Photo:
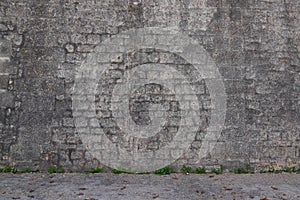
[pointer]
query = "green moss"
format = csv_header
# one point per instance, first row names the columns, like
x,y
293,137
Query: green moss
x,y
165,171
53,169
290,170
239,171
122,171
287,170
217,171
248,167
200,170
7,169
244,170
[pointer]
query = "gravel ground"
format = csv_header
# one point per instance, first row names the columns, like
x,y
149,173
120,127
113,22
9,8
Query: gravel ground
x,y
128,186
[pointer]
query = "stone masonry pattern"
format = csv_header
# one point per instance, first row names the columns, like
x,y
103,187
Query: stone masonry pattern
x,y
255,45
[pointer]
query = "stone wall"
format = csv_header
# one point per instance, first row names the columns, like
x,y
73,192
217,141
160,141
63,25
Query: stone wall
x,y
254,44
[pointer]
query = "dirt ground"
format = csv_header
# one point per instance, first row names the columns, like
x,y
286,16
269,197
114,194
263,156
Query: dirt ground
x,y
129,186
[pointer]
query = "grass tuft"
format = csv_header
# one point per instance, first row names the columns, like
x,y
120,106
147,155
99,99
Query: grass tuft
x,y
122,171
165,171
53,169
187,169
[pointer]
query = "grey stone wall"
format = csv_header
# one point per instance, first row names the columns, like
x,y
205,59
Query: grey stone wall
x,y
254,44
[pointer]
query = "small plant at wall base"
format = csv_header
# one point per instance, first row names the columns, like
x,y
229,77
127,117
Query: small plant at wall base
x,y
8,169
239,171
58,169
118,171
165,171
187,169
245,170
291,170
200,170
287,170
51,169
122,171
217,171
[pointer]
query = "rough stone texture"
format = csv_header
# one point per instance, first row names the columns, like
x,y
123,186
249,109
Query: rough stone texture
x,y
255,45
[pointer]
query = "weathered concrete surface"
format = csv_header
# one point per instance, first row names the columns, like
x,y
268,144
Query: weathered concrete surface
x,y
124,186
